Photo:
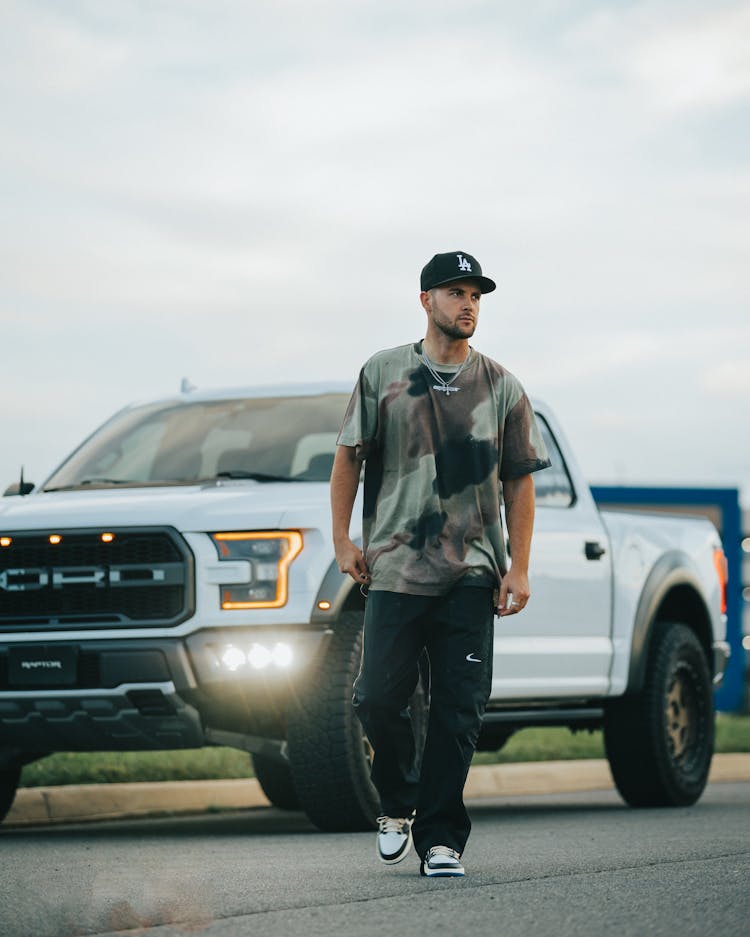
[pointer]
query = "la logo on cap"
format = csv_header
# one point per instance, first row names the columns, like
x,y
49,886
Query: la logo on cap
x,y
463,263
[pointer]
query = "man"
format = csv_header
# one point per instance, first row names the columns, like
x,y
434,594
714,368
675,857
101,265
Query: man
x,y
445,434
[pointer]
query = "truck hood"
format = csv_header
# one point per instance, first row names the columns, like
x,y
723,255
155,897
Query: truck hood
x,y
228,505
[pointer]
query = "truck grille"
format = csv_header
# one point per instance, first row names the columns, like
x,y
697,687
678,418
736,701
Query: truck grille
x,y
136,577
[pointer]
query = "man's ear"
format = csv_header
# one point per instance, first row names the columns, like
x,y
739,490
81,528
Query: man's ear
x,y
425,297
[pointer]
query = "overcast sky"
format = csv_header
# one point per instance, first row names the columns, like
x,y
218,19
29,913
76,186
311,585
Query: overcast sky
x,y
245,192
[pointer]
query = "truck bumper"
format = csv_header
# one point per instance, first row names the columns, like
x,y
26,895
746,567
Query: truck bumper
x,y
155,694
136,716
721,651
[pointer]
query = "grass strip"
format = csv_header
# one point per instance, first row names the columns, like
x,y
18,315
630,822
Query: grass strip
x,y
541,744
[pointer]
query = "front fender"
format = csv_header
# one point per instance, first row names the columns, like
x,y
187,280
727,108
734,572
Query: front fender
x,y
335,589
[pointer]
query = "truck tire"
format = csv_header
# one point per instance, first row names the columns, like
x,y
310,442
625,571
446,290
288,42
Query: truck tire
x,y
9,778
493,738
275,778
659,743
328,751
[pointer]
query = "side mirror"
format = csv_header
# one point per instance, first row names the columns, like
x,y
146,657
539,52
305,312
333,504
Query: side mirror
x,y
18,488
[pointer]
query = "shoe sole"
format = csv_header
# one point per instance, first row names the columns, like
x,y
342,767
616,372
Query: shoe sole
x,y
400,857
443,873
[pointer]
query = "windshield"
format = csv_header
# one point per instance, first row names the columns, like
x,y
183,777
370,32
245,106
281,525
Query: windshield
x,y
265,438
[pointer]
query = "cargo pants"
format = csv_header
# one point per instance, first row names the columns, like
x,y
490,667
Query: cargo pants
x,y
456,630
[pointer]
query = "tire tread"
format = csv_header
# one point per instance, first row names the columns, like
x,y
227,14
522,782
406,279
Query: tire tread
x,y
330,774
643,769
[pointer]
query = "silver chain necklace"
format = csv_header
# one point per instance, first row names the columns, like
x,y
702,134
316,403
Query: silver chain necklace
x,y
444,386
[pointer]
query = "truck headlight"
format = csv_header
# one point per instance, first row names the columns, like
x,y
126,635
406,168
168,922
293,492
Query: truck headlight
x,y
270,554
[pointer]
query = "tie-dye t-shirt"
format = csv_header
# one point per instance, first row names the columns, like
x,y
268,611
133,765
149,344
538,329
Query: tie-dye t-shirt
x,y
434,467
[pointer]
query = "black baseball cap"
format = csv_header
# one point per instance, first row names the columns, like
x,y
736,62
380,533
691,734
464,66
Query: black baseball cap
x,y
455,265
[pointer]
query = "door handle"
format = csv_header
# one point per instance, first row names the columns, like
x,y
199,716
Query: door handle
x,y
594,550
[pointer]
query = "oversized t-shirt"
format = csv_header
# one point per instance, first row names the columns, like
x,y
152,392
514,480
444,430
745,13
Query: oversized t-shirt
x,y
434,467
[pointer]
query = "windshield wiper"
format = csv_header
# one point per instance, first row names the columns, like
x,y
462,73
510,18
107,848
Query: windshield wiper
x,y
107,481
136,483
254,476
94,481
234,474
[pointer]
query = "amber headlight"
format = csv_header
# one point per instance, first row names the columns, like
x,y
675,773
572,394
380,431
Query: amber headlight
x,y
270,554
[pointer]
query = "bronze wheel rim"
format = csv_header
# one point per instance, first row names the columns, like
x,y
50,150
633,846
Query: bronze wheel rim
x,y
680,715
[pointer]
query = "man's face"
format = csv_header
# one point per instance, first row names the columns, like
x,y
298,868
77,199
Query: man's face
x,y
454,307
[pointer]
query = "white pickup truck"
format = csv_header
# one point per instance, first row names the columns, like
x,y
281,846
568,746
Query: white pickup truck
x,y
173,585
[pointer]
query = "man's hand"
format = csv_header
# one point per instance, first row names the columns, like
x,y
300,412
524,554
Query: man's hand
x,y
344,482
519,513
514,593
352,561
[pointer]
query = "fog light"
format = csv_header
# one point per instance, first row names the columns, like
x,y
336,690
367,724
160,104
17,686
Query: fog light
x,y
233,658
259,656
282,655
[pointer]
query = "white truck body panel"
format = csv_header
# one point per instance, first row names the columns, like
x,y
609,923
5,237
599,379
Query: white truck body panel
x,y
639,541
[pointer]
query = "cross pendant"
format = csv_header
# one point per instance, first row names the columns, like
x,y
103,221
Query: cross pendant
x,y
447,389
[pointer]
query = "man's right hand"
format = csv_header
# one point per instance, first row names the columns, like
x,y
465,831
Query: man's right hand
x,y
351,560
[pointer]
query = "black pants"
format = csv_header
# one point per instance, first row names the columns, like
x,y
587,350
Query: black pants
x,y
456,630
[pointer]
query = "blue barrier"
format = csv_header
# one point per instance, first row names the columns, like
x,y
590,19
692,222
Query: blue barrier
x,y
730,696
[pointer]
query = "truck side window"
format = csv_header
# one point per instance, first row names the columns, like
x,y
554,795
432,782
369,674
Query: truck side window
x,y
552,485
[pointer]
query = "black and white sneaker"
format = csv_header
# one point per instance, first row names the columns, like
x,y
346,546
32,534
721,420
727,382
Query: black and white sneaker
x,y
394,838
441,861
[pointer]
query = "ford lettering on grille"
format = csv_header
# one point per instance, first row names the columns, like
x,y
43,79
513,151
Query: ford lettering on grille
x,y
26,580
136,577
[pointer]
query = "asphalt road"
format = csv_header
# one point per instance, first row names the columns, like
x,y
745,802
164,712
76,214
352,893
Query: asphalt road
x,y
557,865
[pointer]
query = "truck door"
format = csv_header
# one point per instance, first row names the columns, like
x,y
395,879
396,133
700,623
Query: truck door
x,y
561,643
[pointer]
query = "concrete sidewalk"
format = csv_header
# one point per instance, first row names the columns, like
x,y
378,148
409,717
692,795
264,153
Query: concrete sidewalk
x,y
38,806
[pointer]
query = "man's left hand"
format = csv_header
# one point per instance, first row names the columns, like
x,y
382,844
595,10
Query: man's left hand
x,y
514,593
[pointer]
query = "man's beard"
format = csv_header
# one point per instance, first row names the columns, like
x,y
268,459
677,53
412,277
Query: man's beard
x,y
454,331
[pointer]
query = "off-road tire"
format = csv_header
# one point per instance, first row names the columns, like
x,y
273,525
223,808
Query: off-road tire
x,y
275,778
328,751
9,778
660,742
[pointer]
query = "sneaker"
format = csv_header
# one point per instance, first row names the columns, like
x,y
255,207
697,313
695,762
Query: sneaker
x,y
441,861
394,838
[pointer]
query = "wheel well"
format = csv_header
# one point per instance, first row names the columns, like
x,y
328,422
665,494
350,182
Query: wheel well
x,y
682,603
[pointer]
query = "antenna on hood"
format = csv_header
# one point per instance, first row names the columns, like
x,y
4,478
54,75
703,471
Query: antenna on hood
x,y
24,487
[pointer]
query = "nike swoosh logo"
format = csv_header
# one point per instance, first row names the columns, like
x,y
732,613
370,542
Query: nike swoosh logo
x,y
474,660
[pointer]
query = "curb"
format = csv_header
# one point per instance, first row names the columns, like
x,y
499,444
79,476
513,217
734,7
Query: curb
x,y
41,806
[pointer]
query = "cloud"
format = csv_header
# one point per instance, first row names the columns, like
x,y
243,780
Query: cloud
x,y
704,63
50,53
728,379
246,193
687,56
